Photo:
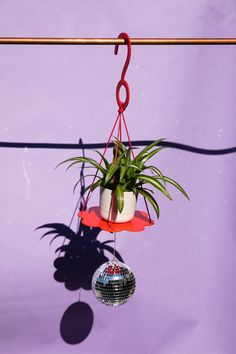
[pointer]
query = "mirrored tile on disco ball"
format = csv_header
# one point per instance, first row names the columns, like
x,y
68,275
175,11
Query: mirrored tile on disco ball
x,y
113,283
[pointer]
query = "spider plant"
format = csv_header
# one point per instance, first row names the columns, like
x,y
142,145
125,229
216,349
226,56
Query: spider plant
x,y
127,174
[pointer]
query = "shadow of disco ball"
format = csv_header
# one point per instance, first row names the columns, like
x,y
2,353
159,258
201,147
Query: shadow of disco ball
x,y
113,283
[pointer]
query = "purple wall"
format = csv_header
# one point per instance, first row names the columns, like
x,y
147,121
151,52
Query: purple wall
x,y
184,265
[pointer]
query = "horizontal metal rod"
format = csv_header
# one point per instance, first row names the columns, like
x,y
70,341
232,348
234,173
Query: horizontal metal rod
x,y
113,41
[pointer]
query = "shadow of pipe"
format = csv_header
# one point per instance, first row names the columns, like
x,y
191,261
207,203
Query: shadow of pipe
x,y
81,146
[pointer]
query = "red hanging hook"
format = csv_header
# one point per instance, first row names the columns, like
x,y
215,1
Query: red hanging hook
x,y
122,105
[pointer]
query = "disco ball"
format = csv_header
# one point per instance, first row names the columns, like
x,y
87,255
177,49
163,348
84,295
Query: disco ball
x,y
113,283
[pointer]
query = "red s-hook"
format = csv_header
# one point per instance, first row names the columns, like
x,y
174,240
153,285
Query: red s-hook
x,y
122,105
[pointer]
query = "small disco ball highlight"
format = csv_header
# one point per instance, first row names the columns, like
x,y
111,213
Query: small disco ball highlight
x,y
113,283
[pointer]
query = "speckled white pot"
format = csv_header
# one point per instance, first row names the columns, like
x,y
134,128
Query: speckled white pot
x,y
114,215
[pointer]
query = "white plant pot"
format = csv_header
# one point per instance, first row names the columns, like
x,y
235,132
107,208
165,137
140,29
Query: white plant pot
x,y
113,214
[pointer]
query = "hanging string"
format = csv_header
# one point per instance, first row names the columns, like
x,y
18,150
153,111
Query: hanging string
x,y
120,128
104,152
114,248
79,295
130,144
128,136
122,105
118,138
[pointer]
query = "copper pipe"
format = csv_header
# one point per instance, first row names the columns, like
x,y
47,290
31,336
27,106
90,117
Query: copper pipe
x,y
113,41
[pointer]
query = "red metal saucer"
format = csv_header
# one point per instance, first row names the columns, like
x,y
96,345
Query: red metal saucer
x,y
92,218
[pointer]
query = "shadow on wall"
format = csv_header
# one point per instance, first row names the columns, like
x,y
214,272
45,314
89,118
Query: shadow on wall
x,y
82,255
78,257
75,265
76,323
174,145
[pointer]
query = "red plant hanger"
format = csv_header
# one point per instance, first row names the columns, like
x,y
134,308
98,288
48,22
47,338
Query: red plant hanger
x,y
123,82
91,217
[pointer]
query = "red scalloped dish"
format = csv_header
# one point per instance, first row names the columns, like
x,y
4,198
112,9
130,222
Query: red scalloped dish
x,y
92,218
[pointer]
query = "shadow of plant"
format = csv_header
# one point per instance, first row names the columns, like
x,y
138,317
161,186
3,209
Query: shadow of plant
x,y
79,255
82,255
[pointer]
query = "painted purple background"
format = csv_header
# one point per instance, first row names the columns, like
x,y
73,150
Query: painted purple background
x,y
185,301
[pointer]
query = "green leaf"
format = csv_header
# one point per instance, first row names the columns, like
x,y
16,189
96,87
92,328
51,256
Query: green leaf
x,y
120,158
102,158
93,163
134,189
94,185
128,157
154,182
157,171
148,190
136,167
122,172
150,154
75,186
121,146
68,160
85,159
110,173
73,163
146,149
150,198
120,198
177,185
132,171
